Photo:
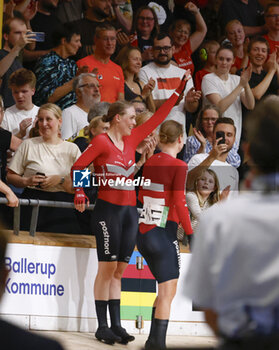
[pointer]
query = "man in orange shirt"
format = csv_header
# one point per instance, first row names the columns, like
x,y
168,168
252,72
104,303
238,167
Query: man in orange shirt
x,y
108,73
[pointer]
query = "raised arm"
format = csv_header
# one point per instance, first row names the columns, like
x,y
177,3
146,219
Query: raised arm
x,y
197,37
142,131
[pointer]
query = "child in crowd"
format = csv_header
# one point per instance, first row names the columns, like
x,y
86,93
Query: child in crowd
x,y
207,54
206,193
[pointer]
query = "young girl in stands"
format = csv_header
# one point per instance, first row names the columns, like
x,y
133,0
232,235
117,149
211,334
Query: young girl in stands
x,y
206,193
207,55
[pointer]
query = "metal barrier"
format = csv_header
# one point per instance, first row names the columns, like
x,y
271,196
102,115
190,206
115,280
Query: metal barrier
x,y
36,204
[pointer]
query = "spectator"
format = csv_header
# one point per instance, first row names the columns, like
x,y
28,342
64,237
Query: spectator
x,y
74,118
96,14
55,71
45,21
205,194
15,38
13,337
95,127
122,13
81,140
271,16
235,34
145,28
248,12
202,140
216,158
129,59
227,91
7,141
108,73
185,42
265,74
167,78
19,118
163,9
207,55
41,166
70,10
240,300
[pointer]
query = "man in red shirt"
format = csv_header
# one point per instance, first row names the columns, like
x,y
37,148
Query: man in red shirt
x,y
272,22
108,73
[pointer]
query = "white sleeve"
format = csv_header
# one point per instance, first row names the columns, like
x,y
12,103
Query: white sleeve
x,y
193,204
18,161
209,85
189,86
67,128
143,76
194,162
4,123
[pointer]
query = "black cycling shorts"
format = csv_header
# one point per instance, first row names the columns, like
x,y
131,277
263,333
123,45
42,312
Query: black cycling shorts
x,y
115,228
160,249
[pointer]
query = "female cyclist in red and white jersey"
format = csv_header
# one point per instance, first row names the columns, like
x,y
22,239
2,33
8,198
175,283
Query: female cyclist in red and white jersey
x,y
164,206
115,218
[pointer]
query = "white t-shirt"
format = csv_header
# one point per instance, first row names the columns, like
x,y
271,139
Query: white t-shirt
x,y
212,84
235,260
226,174
34,155
14,116
73,120
166,82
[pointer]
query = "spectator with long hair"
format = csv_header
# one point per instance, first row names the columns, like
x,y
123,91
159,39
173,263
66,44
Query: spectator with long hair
x,y
145,28
130,60
228,91
206,193
41,165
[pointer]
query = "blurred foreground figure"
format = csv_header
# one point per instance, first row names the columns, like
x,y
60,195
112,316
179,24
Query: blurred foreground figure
x,y
233,274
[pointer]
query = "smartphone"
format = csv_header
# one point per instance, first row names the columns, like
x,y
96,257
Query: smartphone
x,y
39,36
220,134
42,174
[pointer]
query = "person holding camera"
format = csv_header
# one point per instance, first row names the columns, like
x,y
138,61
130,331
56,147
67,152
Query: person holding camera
x,y
223,140
202,140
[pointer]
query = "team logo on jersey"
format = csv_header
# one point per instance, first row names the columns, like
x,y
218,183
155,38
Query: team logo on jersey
x,y
82,178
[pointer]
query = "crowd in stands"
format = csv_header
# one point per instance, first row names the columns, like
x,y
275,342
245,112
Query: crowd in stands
x,y
57,85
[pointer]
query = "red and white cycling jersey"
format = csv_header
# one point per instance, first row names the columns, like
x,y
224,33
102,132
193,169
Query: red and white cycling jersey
x,y
166,191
